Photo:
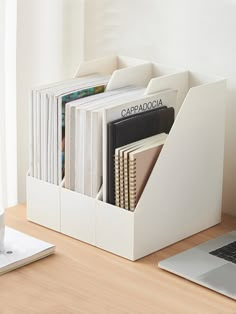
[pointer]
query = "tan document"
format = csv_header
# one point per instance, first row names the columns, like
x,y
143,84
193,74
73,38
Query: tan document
x,y
141,163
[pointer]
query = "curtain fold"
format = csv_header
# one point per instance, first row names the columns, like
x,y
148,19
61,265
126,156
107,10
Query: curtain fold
x,y
8,194
49,49
2,106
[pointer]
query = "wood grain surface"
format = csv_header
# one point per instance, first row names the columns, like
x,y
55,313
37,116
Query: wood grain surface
x,y
80,278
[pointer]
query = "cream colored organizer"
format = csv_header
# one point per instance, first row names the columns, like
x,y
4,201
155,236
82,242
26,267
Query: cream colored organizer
x,y
183,193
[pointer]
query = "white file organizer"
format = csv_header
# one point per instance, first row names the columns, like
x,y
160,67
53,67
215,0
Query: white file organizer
x,y
183,193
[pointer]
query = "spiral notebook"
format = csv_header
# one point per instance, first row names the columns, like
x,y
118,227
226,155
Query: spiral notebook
x,y
141,163
122,171
21,249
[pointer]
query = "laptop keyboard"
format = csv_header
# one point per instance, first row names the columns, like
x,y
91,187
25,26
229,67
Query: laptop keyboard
x,y
227,252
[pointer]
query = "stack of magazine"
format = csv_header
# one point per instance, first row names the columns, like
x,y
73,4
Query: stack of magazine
x,y
100,143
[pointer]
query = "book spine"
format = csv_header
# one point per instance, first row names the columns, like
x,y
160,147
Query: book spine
x,y
117,180
126,183
31,138
122,201
111,144
132,184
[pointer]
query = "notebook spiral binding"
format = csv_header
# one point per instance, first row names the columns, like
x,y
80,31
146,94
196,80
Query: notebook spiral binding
x,y
121,178
117,181
132,184
126,183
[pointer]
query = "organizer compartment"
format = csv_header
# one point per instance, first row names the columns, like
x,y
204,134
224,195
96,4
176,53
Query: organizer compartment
x,y
186,182
114,229
78,215
43,203
183,193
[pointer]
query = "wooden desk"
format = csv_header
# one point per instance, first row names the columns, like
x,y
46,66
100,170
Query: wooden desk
x,y
80,278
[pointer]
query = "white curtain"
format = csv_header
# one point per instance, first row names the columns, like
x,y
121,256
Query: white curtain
x,y
8,161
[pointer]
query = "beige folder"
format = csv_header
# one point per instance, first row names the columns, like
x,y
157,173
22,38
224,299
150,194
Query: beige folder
x,y
122,168
141,163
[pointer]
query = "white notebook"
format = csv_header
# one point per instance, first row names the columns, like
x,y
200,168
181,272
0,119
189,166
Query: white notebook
x,y
21,249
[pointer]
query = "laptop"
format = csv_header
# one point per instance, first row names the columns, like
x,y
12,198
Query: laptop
x,y
211,264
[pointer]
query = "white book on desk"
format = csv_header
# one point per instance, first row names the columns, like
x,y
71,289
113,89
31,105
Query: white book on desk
x,y
21,249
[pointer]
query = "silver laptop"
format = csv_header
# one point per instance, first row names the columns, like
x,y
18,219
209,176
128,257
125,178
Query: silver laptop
x,y
211,264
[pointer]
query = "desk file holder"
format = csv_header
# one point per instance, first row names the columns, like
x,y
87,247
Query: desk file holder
x,y
183,194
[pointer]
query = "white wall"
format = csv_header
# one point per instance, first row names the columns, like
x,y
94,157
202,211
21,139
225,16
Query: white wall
x,y
198,35
8,158
49,48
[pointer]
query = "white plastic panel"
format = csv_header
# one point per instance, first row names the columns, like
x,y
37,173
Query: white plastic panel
x,y
114,229
43,204
177,81
183,194
105,65
78,216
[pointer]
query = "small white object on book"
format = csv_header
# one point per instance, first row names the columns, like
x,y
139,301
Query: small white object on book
x,y
20,249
